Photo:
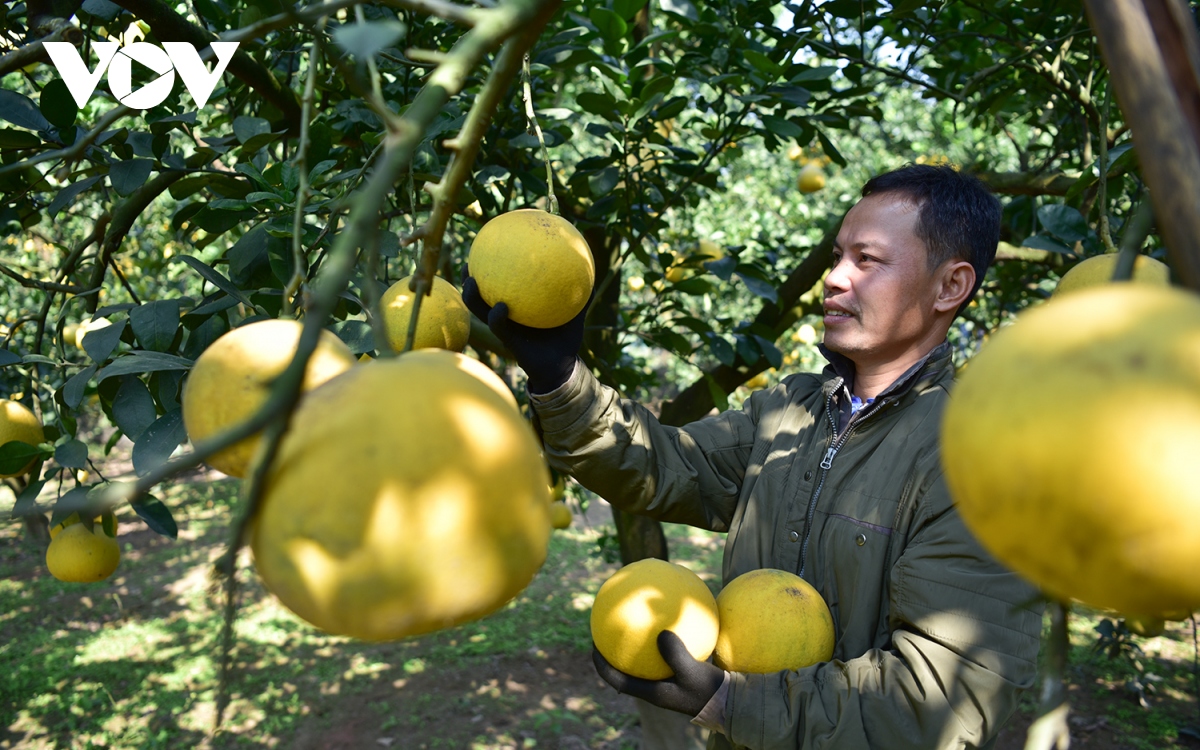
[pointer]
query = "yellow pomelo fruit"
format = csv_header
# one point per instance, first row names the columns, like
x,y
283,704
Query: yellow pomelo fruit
x,y
794,152
70,520
80,555
19,423
675,274
758,381
1146,626
711,251
636,283
443,323
772,620
811,178
536,263
559,489
560,515
1070,447
231,380
69,334
87,327
640,601
408,496
1098,269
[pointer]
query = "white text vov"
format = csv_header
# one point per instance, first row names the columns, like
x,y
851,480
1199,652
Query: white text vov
x,y
172,57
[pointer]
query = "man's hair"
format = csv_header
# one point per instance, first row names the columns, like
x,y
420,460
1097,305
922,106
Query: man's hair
x,y
958,219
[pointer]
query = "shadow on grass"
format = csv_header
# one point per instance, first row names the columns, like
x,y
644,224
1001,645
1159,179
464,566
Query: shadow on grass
x,y
132,662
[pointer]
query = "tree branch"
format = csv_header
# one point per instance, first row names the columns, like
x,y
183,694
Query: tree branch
x,y
35,52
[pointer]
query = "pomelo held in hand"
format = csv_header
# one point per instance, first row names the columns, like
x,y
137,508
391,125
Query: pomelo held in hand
x,y
231,380
1070,446
536,263
772,620
409,495
640,601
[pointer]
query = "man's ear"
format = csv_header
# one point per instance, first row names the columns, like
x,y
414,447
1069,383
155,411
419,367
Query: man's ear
x,y
955,282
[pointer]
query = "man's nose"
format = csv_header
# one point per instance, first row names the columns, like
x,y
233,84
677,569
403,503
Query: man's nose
x,y
837,280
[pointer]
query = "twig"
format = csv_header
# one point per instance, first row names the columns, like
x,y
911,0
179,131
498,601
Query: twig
x,y
299,259
75,150
532,123
29,283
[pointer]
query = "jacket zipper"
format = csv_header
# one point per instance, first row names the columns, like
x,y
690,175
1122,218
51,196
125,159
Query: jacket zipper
x,y
827,462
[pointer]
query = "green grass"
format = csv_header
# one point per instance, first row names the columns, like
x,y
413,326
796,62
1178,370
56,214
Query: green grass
x,y
133,661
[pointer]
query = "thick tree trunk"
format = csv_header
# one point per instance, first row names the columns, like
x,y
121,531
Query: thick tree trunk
x,y
1151,50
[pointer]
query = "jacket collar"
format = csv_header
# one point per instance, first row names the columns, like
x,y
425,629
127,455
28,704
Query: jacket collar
x,y
928,371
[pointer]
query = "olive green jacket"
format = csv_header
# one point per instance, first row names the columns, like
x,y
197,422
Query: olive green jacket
x,y
935,640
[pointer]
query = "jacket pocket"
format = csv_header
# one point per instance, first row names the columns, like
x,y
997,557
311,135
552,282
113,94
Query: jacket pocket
x,y
849,551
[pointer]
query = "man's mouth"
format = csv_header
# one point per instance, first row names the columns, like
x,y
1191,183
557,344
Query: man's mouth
x,y
837,314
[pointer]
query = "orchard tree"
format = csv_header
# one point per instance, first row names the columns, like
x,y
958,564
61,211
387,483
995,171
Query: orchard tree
x,y
348,144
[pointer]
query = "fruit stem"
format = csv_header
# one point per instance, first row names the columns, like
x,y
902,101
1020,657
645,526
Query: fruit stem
x,y
1131,242
1050,730
458,170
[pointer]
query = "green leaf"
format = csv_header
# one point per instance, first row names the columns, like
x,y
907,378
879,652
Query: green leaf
x,y
627,9
39,359
610,25
721,348
599,104
759,287
8,358
246,128
365,40
75,387
1042,242
770,351
102,9
142,361
127,176
782,127
158,442
831,150
57,104
71,454
67,194
99,343
217,221
27,501
719,397
133,407
694,285
11,138
602,182
746,349
1064,222
762,62
21,111
155,323
356,334
216,278
156,515
819,73
16,455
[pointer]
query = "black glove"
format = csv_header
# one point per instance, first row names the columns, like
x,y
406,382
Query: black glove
x,y
687,692
547,355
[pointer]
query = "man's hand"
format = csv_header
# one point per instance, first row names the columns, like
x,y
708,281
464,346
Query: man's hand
x,y
547,355
687,691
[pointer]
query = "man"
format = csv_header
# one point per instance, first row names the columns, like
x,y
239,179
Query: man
x,y
834,477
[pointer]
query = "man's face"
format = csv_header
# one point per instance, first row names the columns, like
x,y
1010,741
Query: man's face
x,y
880,293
